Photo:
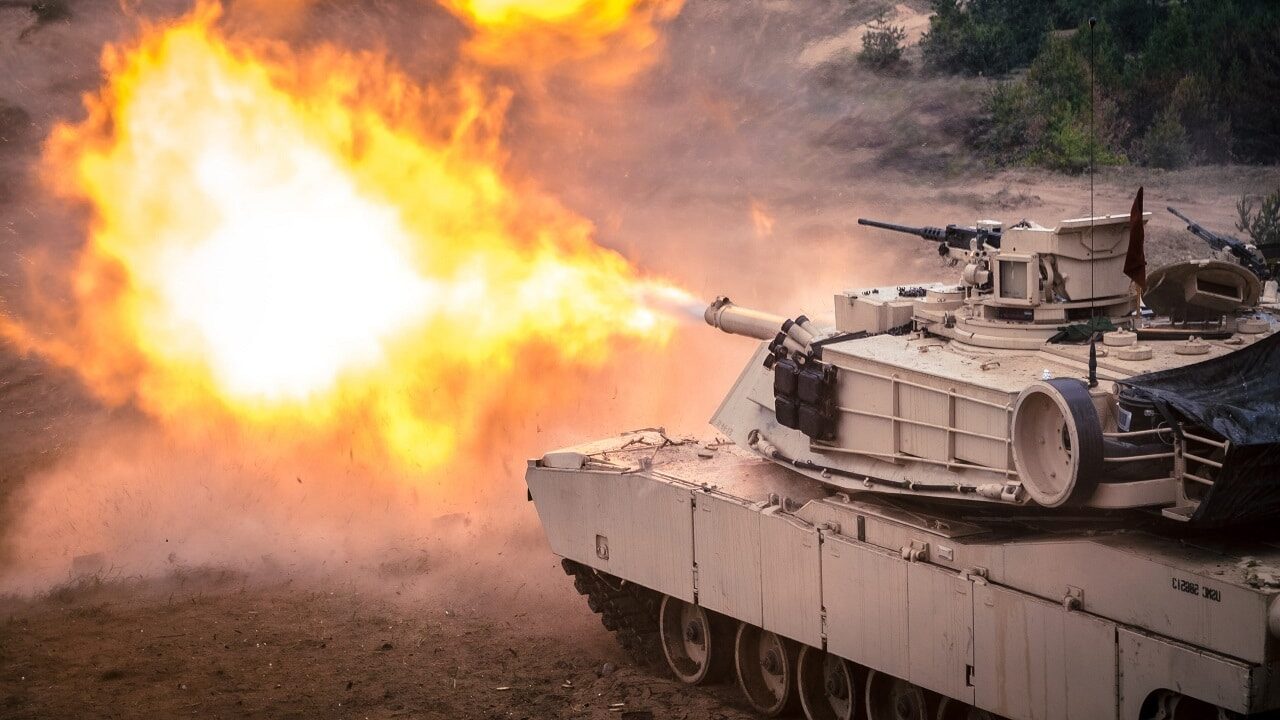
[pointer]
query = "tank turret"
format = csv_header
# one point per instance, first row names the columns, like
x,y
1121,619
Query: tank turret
x,y
1034,380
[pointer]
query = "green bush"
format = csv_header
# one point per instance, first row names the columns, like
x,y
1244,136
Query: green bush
x,y
1003,129
1262,221
1064,146
1044,117
1060,75
984,37
882,45
1165,143
1177,81
951,43
1208,136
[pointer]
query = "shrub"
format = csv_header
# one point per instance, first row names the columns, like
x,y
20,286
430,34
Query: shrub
x,y
1208,136
882,45
1261,222
951,43
1003,129
1165,144
1044,118
1059,74
985,37
1065,143
1180,81
1064,146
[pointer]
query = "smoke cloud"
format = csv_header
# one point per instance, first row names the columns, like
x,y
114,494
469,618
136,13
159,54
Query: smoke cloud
x,y
133,496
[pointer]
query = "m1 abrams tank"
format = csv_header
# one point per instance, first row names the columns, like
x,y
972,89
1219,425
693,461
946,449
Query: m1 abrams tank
x,y
1021,496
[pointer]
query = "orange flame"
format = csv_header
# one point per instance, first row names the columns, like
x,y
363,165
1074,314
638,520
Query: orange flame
x,y
618,37
311,243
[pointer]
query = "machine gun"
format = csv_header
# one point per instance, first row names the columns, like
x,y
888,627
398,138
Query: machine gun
x,y
1243,252
957,237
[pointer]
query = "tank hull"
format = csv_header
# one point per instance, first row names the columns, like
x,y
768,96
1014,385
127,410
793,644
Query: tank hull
x,y
1027,617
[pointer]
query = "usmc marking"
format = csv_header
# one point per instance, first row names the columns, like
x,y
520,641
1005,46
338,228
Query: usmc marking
x,y
1194,588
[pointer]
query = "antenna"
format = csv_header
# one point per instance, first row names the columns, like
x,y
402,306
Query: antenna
x,y
1093,360
1093,135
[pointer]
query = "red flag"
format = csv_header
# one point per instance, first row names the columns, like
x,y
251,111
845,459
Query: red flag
x,y
1135,261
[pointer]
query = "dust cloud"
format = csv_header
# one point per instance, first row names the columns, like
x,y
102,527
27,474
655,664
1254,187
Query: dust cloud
x,y
108,492
735,160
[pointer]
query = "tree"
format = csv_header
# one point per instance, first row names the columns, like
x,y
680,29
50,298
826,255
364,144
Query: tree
x,y
882,45
986,37
1177,81
1165,144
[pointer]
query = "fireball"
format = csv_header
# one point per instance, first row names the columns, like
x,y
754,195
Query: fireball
x,y
607,41
312,246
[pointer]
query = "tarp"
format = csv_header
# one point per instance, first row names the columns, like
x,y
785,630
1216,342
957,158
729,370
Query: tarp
x,y
1081,332
1237,397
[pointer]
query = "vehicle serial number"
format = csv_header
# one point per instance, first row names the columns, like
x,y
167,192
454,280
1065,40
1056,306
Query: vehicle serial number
x,y
1194,588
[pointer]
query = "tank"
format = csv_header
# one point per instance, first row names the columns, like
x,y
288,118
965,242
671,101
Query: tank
x,y
1046,490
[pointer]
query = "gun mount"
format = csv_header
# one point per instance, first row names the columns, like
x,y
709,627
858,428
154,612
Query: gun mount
x,y
951,237
1020,284
1245,253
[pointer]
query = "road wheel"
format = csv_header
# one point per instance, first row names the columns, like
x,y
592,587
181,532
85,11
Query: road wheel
x,y
697,643
1170,705
766,667
830,687
891,698
949,709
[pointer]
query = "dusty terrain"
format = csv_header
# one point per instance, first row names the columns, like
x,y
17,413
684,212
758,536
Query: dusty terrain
x,y
755,112
216,644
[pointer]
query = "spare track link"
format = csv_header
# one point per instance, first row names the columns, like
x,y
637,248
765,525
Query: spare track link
x,y
626,609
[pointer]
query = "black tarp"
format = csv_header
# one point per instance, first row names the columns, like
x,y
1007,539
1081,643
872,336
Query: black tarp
x,y
1237,397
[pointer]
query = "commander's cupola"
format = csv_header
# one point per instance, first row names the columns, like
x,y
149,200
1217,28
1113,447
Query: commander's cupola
x,y
1018,295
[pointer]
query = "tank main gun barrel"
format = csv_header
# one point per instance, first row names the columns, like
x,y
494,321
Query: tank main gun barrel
x,y
735,320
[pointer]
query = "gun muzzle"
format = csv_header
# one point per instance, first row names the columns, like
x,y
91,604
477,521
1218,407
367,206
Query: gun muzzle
x,y
726,316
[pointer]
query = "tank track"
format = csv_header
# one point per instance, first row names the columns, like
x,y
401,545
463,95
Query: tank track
x,y
625,609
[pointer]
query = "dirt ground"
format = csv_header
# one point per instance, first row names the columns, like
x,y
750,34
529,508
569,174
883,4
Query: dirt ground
x,y
755,107
218,644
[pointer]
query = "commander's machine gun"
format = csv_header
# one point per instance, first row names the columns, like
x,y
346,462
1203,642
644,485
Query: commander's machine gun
x,y
951,237
1246,254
